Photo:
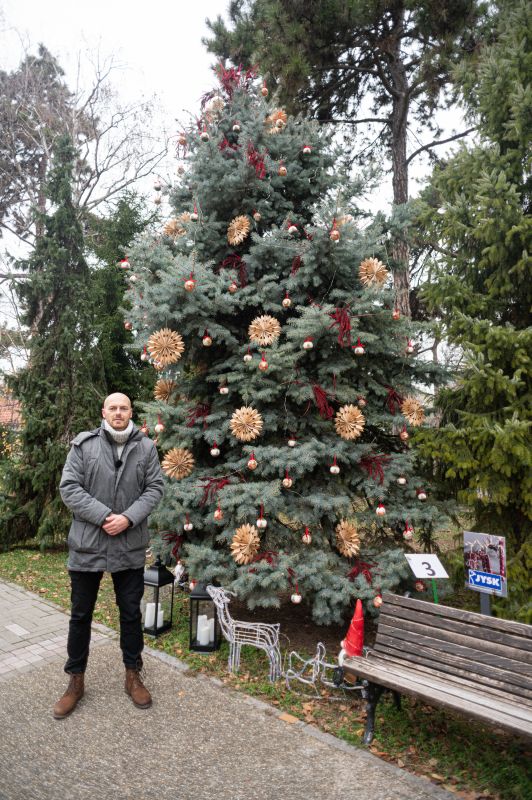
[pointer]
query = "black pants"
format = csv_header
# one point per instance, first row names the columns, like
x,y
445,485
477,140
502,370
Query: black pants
x,y
129,588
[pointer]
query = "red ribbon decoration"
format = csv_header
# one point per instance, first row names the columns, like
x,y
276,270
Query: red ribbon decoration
x,y
256,160
361,568
211,488
341,317
320,396
226,144
296,264
232,78
270,556
374,465
201,411
170,536
234,261
394,400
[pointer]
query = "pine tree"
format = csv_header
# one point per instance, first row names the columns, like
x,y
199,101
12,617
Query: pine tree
x,y
62,387
261,266
477,212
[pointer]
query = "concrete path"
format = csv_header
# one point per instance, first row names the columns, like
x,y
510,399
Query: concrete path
x,y
199,741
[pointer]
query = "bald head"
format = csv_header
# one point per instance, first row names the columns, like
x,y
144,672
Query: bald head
x,y
117,410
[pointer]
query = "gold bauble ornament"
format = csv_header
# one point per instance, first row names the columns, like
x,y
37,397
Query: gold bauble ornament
x,y
163,389
282,171
245,544
413,411
166,346
238,229
372,272
347,538
246,424
178,463
349,422
264,330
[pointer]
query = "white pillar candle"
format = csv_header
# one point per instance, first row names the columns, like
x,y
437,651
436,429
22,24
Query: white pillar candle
x,y
160,616
211,629
150,615
203,634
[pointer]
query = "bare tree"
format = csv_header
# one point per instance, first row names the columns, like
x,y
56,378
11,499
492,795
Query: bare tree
x,y
115,142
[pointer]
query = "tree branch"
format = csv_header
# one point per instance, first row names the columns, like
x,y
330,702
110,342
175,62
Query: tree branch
x,y
437,142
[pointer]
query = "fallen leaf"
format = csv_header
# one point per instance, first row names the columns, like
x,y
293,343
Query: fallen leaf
x,y
436,777
400,762
288,718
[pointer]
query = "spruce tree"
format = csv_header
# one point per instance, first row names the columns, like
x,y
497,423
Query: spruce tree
x,y
477,213
258,278
109,238
62,386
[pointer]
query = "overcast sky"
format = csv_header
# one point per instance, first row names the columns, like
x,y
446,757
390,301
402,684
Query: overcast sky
x,y
159,43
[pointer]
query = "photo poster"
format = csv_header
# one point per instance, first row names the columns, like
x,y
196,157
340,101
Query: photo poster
x,y
485,563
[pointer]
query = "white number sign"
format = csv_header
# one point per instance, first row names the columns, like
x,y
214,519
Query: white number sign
x,y
426,565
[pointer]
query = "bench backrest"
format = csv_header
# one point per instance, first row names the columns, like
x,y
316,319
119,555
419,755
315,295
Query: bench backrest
x,y
485,651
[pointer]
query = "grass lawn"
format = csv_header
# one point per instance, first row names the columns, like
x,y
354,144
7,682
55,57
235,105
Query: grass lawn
x,y
464,757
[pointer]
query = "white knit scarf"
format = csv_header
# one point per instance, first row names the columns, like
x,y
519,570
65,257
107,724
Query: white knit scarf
x,y
120,437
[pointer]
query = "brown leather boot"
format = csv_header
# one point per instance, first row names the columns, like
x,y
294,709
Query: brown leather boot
x,y
136,689
71,697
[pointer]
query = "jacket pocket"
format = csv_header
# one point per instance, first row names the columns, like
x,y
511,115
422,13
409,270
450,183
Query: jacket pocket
x,y
84,537
138,537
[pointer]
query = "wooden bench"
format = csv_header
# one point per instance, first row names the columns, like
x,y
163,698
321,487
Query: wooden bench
x,y
477,665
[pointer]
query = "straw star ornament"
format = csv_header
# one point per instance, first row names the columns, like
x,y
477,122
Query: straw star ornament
x,y
245,544
347,538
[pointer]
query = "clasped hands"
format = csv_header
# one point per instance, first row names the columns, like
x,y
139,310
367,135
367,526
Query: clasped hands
x,y
115,523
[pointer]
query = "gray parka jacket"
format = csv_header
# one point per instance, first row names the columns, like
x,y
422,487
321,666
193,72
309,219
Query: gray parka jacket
x,y
93,487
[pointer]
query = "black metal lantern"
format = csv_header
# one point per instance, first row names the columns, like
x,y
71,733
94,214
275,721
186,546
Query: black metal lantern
x,y
157,605
205,635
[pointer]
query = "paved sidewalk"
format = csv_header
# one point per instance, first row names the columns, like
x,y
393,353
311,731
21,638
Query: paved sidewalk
x,y
199,741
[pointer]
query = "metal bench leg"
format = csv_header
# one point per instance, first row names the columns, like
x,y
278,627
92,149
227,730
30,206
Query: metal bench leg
x,y
372,694
397,700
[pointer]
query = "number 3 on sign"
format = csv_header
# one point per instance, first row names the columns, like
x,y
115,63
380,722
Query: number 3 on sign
x,y
426,565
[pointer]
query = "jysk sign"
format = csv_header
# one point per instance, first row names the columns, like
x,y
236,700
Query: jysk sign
x,y
485,580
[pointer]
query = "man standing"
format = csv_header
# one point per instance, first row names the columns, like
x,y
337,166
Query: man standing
x,y
111,482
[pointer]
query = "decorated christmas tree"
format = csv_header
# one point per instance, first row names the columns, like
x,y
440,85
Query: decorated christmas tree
x,y
288,383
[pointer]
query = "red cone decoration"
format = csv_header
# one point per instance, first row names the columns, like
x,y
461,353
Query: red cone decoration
x,y
354,641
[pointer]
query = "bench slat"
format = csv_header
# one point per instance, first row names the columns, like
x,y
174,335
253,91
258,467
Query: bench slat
x,y
474,704
453,644
490,678
467,646
483,621
396,657
401,614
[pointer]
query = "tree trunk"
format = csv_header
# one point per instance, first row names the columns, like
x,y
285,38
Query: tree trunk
x,y
400,104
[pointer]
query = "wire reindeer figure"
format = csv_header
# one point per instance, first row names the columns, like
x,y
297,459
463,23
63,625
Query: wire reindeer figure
x,y
237,633
315,670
